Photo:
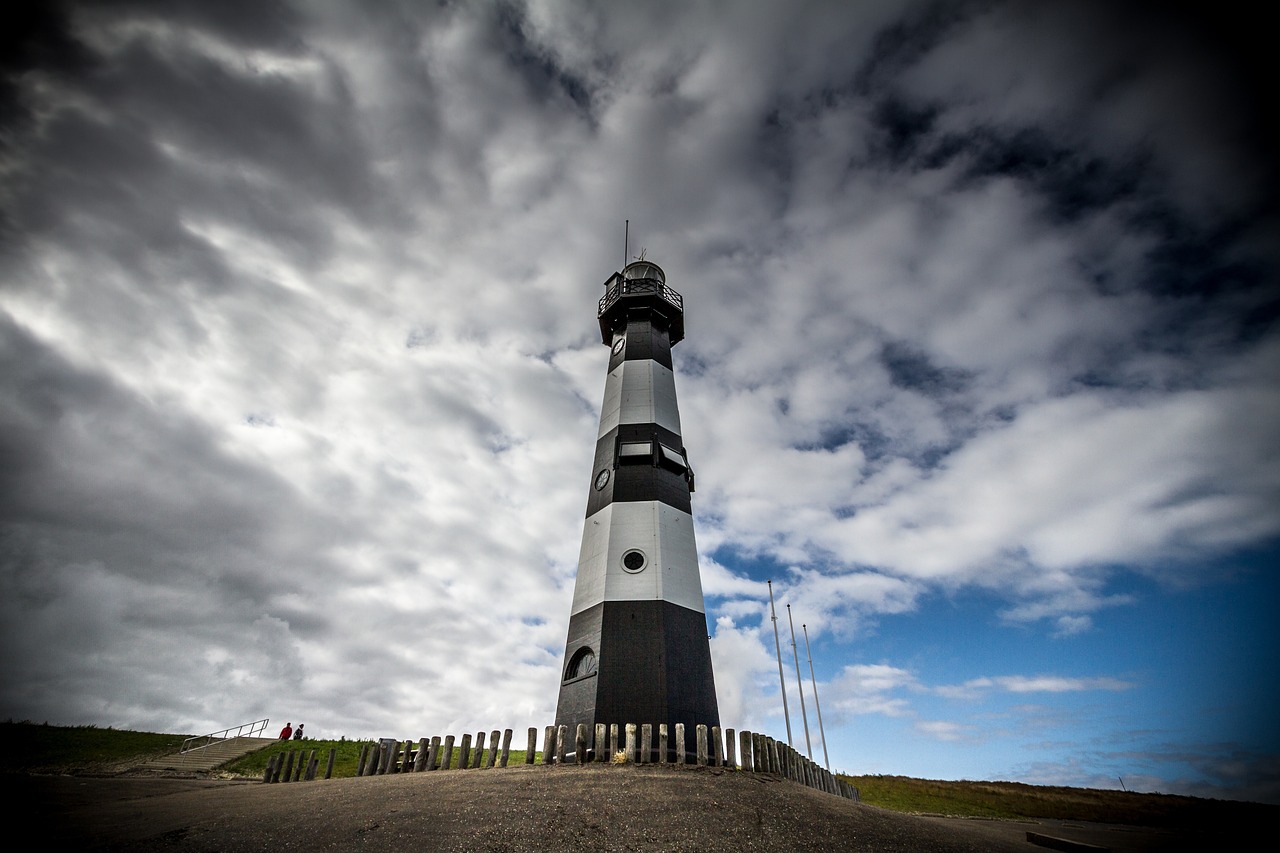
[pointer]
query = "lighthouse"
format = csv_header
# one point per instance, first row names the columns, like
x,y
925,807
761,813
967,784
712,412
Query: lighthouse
x,y
637,649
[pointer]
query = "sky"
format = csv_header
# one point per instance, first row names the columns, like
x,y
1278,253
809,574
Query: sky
x,y
300,373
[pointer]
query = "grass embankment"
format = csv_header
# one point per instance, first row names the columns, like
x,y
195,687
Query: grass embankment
x,y
32,748
1014,800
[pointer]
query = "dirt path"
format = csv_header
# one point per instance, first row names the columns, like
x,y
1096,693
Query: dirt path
x,y
596,808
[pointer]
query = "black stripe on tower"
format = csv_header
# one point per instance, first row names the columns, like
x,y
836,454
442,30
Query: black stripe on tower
x,y
655,477
641,643
644,341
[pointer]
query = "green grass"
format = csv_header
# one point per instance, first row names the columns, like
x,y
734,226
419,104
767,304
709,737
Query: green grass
x,y
1014,800
31,748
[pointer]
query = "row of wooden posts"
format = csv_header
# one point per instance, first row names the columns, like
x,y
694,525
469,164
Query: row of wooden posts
x,y
281,768
759,753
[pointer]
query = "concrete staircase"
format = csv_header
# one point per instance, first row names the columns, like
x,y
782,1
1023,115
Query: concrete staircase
x,y
208,757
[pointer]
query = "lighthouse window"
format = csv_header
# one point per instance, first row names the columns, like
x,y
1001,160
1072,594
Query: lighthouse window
x,y
635,451
634,561
582,664
672,458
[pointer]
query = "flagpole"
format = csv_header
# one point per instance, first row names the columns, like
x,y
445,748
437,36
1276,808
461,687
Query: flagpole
x,y
782,684
799,684
821,731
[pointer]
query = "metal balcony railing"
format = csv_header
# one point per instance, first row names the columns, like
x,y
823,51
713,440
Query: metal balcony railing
x,y
618,287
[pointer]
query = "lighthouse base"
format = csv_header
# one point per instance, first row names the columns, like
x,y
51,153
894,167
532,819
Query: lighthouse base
x,y
653,665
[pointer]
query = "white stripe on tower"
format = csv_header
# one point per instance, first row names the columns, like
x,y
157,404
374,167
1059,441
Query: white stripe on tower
x,y
640,392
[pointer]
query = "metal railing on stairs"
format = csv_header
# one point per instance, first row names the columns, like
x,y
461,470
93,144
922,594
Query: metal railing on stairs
x,y
254,729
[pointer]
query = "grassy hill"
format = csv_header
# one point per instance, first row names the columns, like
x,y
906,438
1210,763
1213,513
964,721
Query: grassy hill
x,y
88,750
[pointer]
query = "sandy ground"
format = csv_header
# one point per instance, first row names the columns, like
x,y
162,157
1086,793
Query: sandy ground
x,y
595,808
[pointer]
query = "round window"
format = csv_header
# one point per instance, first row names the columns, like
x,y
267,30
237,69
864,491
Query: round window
x,y
618,345
634,561
602,479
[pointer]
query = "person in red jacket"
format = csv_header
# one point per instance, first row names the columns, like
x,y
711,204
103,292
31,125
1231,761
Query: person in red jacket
x,y
287,731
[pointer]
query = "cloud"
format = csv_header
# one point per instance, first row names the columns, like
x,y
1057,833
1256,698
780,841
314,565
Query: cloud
x,y
976,687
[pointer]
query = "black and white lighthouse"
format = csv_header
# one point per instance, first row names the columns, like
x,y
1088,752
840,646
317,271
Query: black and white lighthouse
x,y
637,649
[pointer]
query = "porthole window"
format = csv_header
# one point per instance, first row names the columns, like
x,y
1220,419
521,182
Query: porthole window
x,y
582,664
618,345
634,561
602,479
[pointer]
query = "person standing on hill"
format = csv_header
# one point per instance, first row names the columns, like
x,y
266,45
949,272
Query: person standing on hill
x,y
297,735
287,731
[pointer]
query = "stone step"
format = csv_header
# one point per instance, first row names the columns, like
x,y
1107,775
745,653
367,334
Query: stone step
x,y
209,757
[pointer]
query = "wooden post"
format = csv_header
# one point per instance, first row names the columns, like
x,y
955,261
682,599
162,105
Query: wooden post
x,y
447,749
757,743
744,742
580,744
271,766
406,762
730,759
313,764
549,745
478,755
701,735
328,770
646,742
506,747
531,750
662,743
288,767
390,750
680,744
613,740
433,752
297,771
562,743
493,749
717,748
602,748
464,756
631,743
420,760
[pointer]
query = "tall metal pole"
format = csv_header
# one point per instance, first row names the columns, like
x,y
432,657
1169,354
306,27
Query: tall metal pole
x,y
821,731
799,684
782,684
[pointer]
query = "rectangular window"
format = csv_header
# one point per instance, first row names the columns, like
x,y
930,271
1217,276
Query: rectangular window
x,y
672,458
635,451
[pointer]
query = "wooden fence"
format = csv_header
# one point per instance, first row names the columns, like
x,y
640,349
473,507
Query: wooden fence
x,y
746,751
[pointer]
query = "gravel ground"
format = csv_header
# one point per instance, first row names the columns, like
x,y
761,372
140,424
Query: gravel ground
x,y
594,808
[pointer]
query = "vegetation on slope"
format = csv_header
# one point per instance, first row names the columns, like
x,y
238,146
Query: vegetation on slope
x,y
1015,800
31,748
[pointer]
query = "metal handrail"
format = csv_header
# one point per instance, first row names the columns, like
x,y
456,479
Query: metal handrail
x,y
253,729
619,287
